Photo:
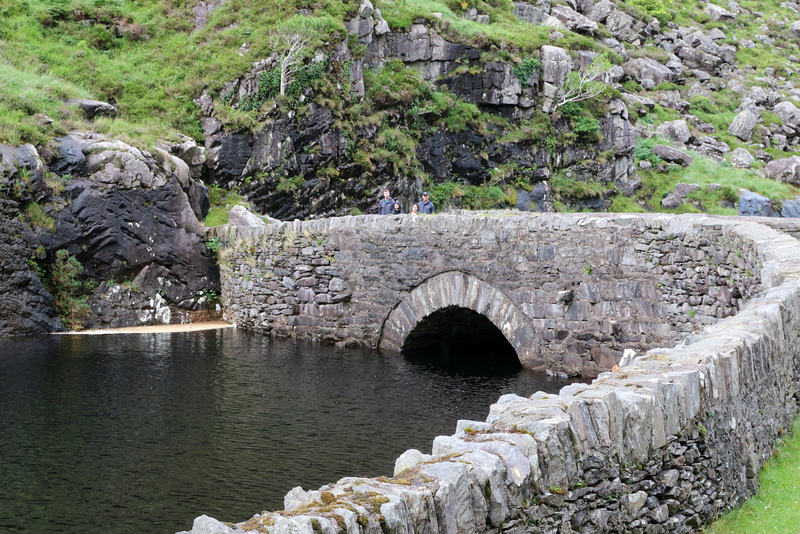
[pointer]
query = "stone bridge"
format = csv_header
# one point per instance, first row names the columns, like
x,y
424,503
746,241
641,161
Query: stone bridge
x,y
566,293
662,443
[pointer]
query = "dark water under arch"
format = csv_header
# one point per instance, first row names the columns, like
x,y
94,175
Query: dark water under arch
x,y
460,339
142,433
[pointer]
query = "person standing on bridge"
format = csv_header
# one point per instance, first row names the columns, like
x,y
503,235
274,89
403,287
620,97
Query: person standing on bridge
x,y
386,205
397,209
425,205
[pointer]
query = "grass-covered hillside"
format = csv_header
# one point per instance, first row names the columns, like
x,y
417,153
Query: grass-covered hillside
x,y
154,59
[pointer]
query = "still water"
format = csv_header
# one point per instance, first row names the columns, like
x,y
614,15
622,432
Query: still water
x,y
144,432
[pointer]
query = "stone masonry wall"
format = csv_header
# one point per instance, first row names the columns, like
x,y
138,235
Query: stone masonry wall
x,y
589,287
665,443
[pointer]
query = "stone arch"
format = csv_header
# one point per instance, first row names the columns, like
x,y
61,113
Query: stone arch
x,y
454,288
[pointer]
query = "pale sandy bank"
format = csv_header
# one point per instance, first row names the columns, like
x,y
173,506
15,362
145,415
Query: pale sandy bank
x,y
162,328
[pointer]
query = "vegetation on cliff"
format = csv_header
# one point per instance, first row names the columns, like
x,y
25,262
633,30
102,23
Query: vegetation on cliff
x,y
154,60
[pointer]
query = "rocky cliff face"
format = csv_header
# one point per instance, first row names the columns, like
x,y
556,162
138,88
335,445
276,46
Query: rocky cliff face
x,y
130,218
313,150
300,163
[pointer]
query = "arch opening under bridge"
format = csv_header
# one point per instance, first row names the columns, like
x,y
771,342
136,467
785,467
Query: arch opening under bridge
x,y
452,312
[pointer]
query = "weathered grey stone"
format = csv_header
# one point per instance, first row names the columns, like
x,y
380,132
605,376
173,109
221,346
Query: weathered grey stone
x,y
677,196
573,20
93,108
556,66
794,28
789,114
622,26
741,158
743,124
641,69
721,14
600,11
677,130
530,13
241,216
784,170
672,155
208,525
409,459
791,208
754,204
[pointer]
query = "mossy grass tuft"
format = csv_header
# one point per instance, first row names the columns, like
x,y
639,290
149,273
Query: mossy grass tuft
x,y
776,507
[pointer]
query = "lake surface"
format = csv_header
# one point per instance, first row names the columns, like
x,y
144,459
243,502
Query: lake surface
x,y
144,432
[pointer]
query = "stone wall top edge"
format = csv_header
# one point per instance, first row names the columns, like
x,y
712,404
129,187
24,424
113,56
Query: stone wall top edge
x,y
443,221
677,224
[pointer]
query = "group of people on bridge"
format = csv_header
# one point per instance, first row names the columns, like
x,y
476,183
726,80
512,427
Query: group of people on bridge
x,y
390,206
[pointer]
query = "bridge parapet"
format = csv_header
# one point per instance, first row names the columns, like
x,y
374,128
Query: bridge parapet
x,y
589,286
665,443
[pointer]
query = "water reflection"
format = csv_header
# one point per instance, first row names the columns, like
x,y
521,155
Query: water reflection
x,y
106,434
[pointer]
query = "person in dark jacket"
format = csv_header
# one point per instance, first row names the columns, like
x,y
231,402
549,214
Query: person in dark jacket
x,y
425,205
397,209
386,205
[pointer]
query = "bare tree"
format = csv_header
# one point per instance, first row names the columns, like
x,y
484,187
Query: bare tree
x,y
289,45
587,83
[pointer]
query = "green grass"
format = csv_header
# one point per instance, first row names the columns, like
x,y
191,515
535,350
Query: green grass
x,y
221,201
704,170
776,507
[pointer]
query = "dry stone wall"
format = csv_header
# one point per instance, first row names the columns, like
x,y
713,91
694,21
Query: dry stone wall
x,y
580,289
664,443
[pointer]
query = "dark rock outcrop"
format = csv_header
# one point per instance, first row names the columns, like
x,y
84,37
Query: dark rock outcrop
x,y
25,305
126,215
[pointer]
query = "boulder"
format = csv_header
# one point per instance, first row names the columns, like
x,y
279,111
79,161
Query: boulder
x,y
716,34
542,197
672,155
641,69
241,216
784,170
695,58
721,14
794,29
624,27
93,108
381,26
742,159
555,24
789,114
677,131
791,208
753,204
711,147
208,525
677,196
573,20
529,13
743,124
21,165
600,11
